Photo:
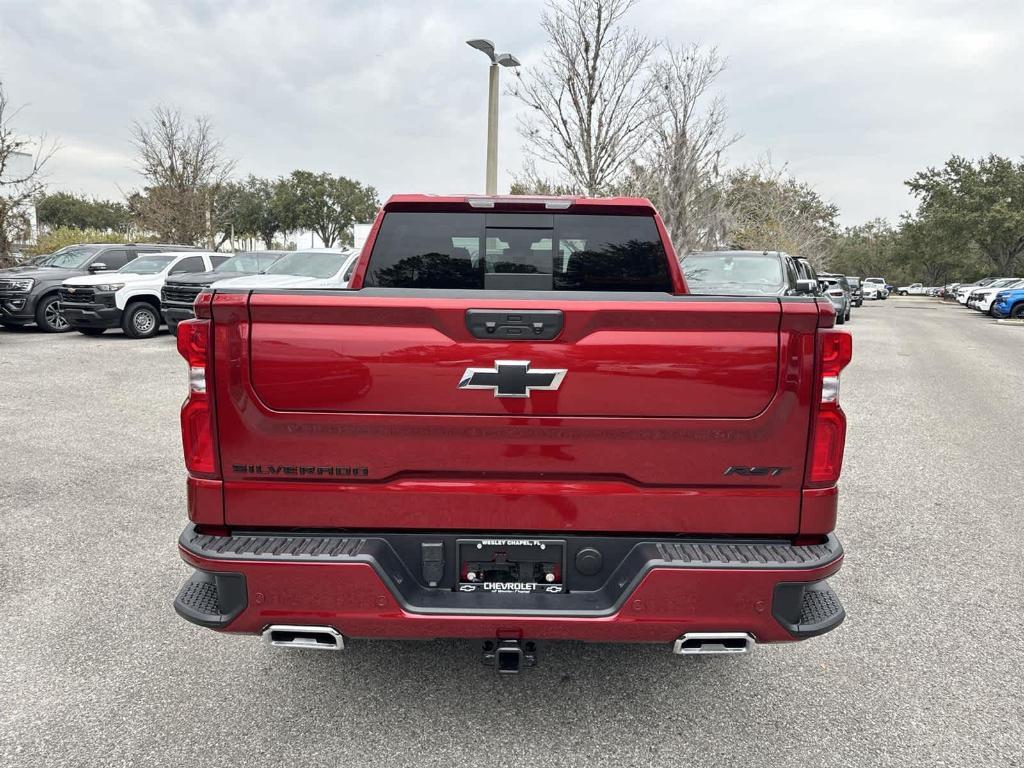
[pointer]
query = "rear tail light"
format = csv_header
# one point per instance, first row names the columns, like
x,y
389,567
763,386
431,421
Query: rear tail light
x,y
828,433
198,432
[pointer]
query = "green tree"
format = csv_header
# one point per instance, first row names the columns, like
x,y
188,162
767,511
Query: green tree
x,y
914,251
326,205
58,237
923,253
866,250
63,209
977,203
770,209
256,208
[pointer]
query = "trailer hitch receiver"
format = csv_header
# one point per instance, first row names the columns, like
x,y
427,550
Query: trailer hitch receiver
x,y
508,657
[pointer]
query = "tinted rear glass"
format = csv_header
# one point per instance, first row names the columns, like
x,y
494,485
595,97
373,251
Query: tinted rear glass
x,y
508,251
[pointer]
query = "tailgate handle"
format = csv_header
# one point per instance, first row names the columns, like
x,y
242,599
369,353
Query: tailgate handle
x,y
511,325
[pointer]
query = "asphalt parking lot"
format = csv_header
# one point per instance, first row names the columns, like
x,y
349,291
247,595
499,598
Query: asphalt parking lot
x,y
928,669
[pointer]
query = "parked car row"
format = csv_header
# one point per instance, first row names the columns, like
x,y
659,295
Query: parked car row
x,y
90,288
282,270
29,294
768,273
997,296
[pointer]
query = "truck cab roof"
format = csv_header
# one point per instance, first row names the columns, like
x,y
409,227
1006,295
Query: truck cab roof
x,y
577,204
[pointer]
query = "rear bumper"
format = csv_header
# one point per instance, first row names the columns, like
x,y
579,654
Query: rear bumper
x,y
370,586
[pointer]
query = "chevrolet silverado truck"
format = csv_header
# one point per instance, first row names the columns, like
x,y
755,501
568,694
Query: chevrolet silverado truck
x,y
516,424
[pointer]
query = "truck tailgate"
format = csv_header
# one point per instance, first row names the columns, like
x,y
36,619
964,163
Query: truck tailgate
x,y
344,410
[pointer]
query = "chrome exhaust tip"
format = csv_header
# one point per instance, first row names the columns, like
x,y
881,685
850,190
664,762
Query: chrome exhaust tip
x,y
304,637
711,643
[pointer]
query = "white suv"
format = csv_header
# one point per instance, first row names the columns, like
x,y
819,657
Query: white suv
x,y
874,288
129,297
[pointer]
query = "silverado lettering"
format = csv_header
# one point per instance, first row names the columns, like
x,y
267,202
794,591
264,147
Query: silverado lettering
x,y
566,444
302,471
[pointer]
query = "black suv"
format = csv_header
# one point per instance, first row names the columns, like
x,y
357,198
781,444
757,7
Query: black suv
x,y
29,295
179,293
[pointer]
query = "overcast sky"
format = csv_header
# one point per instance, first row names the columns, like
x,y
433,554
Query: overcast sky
x,y
855,95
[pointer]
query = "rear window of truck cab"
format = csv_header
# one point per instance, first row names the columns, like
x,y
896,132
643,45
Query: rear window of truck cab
x,y
518,251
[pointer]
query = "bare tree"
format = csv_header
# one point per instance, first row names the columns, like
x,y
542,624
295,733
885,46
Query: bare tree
x,y
770,209
21,177
681,167
591,97
186,168
532,182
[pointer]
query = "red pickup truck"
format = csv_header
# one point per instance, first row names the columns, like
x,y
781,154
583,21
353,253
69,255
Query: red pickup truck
x,y
515,425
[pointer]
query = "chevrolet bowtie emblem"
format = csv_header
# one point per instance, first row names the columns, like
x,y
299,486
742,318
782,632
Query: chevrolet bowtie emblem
x,y
512,378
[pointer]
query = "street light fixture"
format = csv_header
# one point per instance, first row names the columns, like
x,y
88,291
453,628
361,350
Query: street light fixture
x,y
504,60
482,45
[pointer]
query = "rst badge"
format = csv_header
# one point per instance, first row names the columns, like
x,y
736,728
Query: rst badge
x,y
512,378
756,471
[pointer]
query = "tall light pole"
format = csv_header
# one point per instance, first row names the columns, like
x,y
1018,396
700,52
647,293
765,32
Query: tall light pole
x,y
505,60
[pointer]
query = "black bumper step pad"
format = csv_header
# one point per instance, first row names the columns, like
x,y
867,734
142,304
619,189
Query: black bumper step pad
x,y
806,610
211,599
760,553
271,547
255,546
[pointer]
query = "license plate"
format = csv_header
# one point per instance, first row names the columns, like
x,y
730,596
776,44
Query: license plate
x,y
514,566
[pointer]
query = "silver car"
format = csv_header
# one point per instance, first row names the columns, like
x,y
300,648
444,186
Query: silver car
x,y
838,291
